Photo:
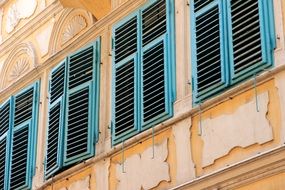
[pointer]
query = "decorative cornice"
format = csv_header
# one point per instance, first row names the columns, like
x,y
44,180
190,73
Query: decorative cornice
x,y
22,33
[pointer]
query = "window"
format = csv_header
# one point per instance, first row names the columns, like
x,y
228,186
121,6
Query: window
x,y
143,69
18,129
232,40
73,109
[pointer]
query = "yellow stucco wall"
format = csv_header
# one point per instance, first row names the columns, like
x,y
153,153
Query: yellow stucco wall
x,y
184,117
276,182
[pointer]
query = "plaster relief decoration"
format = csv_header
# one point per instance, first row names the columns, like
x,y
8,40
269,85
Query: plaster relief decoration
x,y
21,9
20,61
74,27
21,67
142,171
71,23
242,128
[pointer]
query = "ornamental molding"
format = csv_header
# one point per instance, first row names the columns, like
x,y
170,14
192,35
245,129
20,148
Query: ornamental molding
x,y
19,10
74,27
20,61
70,25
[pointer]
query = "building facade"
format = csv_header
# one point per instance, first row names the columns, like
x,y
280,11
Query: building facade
x,y
142,94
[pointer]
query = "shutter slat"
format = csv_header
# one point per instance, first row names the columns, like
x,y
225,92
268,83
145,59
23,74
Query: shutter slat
x,y
154,81
19,158
199,4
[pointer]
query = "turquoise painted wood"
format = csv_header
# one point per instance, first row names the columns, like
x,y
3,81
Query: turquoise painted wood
x,y
93,105
143,45
74,85
30,125
60,101
231,72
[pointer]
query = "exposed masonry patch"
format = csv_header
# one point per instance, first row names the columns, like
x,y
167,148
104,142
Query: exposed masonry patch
x,y
142,171
185,166
102,174
242,128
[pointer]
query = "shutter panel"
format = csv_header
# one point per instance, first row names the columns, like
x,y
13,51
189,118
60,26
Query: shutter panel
x,y
126,39
4,128
79,139
154,82
4,118
23,139
125,99
125,49
154,79
3,163
55,121
24,107
208,55
154,22
247,37
19,164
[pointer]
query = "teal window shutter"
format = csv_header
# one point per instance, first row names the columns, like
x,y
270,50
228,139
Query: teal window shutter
x,y
55,119
125,67
5,112
250,49
23,141
232,39
82,104
73,109
156,64
208,52
142,62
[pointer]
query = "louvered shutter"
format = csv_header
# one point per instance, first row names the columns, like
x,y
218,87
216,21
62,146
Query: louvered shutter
x,y
23,139
141,70
125,79
80,128
55,119
4,131
248,38
155,87
209,70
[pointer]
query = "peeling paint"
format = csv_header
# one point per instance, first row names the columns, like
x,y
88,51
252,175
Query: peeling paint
x,y
220,133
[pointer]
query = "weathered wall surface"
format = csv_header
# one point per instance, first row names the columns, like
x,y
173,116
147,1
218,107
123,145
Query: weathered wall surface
x,y
204,149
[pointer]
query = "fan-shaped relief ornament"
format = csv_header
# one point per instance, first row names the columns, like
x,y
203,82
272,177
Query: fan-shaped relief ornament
x,y
21,67
74,27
